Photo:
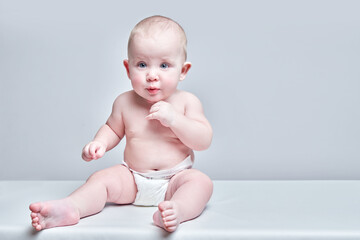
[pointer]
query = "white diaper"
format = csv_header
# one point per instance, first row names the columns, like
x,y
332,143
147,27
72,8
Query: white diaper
x,y
152,186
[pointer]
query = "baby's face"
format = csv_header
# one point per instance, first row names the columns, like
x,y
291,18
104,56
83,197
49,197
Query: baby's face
x,y
155,65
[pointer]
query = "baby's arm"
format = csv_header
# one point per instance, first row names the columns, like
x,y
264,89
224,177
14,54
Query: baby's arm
x,y
108,136
192,128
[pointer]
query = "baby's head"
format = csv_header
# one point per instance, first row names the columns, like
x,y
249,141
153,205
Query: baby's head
x,y
156,58
155,26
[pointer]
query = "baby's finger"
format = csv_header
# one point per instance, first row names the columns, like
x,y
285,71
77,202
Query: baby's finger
x,y
100,152
152,116
154,108
86,148
92,150
158,105
86,151
86,158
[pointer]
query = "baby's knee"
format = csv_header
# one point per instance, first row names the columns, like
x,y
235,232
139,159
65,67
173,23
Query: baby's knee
x,y
99,176
112,175
94,177
206,182
198,177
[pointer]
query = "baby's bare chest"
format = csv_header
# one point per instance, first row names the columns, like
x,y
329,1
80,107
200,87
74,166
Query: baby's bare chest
x,y
147,129
138,127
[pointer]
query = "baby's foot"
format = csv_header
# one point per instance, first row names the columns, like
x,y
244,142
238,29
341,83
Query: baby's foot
x,y
53,214
167,217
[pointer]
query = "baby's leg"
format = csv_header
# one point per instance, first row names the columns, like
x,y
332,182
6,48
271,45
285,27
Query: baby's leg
x,y
115,184
187,195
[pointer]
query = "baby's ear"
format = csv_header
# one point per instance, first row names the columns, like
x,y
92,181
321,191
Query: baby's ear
x,y
184,70
126,64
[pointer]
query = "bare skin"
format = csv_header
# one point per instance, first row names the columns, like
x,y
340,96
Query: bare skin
x,y
54,213
162,126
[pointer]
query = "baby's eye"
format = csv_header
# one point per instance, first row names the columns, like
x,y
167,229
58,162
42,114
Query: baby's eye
x,y
164,65
142,65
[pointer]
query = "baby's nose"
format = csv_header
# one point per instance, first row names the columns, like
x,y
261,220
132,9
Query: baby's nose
x,y
152,76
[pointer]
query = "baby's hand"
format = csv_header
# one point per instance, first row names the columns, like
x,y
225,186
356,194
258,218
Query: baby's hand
x,y
163,112
93,150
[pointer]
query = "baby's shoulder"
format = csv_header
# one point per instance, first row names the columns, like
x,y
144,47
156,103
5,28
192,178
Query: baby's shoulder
x,y
190,102
123,99
185,96
125,96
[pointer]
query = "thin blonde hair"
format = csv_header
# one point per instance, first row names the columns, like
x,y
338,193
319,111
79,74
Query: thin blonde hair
x,y
151,25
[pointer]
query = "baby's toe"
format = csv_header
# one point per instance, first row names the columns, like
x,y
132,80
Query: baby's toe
x,y
165,205
171,223
38,227
171,229
35,220
167,213
169,218
35,207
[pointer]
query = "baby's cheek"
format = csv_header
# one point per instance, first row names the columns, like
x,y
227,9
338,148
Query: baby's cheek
x,y
136,81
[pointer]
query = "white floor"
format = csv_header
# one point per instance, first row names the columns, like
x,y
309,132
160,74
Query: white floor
x,y
238,210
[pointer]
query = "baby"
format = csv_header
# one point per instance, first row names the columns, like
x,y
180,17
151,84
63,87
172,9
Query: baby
x,y
162,126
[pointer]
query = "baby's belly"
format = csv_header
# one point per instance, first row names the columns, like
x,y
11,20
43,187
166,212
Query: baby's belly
x,y
153,155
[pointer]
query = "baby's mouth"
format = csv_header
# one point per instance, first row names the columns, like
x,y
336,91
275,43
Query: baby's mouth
x,y
153,90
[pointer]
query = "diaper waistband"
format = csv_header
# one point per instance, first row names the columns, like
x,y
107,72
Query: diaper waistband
x,y
166,173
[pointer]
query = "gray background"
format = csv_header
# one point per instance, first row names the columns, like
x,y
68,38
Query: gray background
x,y
279,81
